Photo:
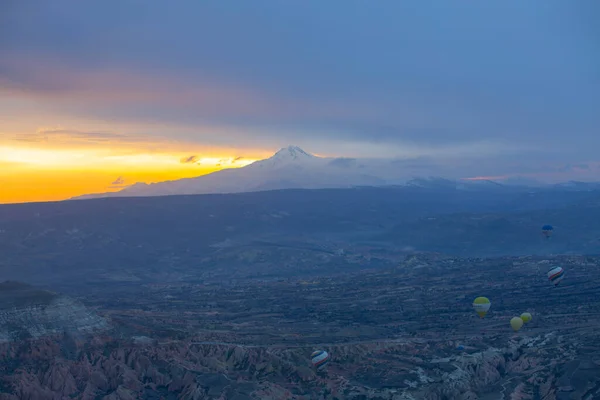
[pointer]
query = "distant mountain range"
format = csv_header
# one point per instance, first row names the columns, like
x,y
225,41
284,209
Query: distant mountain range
x,y
293,168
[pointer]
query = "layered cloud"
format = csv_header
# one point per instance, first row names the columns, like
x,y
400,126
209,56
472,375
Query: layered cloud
x,y
499,88
398,73
58,163
62,137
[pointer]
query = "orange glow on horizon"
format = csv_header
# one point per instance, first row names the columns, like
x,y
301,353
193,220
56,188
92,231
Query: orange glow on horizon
x,y
41,170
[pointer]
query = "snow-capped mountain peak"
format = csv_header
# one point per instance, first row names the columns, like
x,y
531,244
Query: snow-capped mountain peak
x,y
293,168
288,156
291,152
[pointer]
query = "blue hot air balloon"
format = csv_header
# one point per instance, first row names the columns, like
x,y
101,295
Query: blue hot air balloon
x,y
547,230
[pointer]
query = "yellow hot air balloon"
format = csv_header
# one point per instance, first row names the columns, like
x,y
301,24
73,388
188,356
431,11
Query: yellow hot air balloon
x,y
481,306
526,317
516,323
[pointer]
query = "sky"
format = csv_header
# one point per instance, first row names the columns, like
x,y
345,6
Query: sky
x,y
95,96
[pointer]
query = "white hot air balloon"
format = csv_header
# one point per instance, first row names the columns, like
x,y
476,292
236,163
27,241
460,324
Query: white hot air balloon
x,y
319,359
555,275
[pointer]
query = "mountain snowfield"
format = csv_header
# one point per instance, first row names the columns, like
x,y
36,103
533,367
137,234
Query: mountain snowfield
x,y
290,167
293,168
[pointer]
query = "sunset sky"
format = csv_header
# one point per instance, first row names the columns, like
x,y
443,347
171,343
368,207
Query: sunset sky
x,y
95,96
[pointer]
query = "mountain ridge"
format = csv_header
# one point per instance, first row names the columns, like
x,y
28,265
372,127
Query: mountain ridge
x,y
292,167
289,168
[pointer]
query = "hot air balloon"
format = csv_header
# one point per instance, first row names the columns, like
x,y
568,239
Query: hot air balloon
x,y
481,306
547,230
555,275
319,359
516,323
526,317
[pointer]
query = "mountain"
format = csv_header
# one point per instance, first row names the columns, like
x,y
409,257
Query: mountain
x,y
293,168
289,168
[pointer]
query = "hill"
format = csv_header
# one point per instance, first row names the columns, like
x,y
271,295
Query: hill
x,y
29,312
175,238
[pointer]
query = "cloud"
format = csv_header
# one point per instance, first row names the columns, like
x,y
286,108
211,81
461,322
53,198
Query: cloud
x,y
343,162
229,161
10,164
133,95
67,136
189,160
131,142
512,75
487,178
118,183
546,172
419,163
580,167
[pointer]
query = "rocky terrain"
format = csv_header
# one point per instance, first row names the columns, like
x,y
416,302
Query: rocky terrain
x,y
393,334
545,366
27,312
226,296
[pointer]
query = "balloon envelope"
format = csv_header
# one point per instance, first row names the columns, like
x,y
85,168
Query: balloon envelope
x,y
526,317
319,359
516,323
481,305
555,275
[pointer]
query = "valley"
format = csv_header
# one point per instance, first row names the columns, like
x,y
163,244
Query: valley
x,y
310,200
392,332
226,296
